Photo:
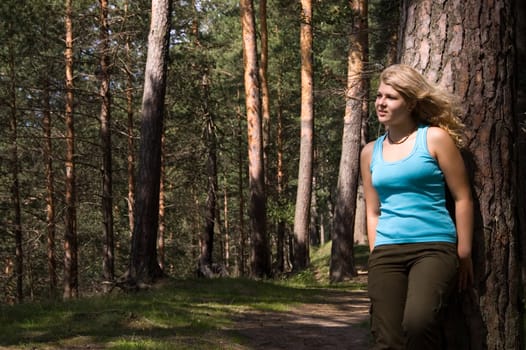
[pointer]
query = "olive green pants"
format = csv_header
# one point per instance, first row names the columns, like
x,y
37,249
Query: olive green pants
x,y
409,286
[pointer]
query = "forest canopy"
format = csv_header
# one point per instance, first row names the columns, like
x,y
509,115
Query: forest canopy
x,y
205,41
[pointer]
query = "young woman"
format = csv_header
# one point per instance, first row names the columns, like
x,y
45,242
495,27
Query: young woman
x,y
419,254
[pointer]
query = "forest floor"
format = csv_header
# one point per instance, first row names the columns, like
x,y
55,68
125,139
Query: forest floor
x,y
339,322
300,312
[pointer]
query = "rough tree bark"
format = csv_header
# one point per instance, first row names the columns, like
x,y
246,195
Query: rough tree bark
x,y
467,46
520,112
144,267
260,259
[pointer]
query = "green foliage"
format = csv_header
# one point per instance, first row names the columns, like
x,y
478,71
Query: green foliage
x,y
32,36
383,22
277,212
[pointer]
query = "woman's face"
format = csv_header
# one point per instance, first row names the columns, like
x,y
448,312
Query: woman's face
x,y
391,107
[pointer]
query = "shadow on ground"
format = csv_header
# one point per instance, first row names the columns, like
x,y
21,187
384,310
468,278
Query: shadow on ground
x,y
339,322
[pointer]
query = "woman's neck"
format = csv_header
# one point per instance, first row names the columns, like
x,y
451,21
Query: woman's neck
x,y
400,133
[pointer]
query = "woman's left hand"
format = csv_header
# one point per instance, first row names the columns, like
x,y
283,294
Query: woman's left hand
x,y
465,273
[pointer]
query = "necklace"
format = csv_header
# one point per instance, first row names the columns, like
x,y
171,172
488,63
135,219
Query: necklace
x,y
402,140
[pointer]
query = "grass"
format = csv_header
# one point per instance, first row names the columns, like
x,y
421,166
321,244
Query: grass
x,y
317,275
181,314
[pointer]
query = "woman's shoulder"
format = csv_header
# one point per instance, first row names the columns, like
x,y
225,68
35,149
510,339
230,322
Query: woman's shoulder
x,y
437,132
367,151
368,148
438,139
438,136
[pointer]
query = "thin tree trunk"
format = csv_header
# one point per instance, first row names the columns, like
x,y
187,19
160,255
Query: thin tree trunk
x,y
360,221
260,259
322,229
70,233
303,197
263,74
130,133
144,267
280,246
463,46
226,225
131,155
50,190
108,269
196,223
314,234
207,236
15,183
342,257
240,175
220,236
360,225
162,227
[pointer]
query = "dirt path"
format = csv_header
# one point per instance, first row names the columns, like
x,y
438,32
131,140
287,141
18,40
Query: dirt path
x,y
340,322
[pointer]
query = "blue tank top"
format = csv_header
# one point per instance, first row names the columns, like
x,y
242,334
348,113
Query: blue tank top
x,y
412,196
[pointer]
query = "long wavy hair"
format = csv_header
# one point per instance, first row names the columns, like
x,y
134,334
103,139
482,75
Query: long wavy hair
x,y
433,106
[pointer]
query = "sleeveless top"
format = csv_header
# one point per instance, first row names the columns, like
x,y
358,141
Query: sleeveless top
x,y
412,196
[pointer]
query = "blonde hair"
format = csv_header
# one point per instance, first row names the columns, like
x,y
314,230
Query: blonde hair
x,y
433,106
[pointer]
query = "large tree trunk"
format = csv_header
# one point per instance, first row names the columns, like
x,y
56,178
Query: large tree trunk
x,y
260,259
303,196
144,267
108,269
467,46
520,112
342,257
70,234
